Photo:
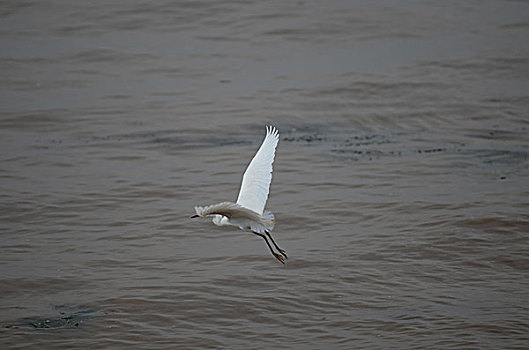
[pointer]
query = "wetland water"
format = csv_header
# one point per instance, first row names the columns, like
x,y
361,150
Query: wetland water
x,y
400,186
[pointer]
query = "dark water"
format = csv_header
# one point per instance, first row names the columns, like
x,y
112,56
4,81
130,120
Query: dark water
x,y
400,186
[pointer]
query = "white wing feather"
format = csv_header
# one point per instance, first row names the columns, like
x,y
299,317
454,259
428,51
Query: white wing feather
x,y
258,176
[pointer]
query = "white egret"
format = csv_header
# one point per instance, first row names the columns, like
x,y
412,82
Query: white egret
x,y
248,213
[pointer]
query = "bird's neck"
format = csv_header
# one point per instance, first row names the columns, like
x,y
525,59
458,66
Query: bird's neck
x,y
220,220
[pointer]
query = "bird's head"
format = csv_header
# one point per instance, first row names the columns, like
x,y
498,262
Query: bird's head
x,y
199,211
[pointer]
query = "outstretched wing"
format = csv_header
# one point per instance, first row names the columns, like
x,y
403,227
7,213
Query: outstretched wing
x,y
230,210
258,176
239,216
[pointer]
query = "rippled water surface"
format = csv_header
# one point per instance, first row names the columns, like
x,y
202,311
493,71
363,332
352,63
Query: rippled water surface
x,y
400,185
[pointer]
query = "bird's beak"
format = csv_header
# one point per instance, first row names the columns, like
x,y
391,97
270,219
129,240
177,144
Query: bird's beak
x,y
194,216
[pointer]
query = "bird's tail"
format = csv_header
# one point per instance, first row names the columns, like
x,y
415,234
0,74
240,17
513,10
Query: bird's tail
x,y
270,220
265,223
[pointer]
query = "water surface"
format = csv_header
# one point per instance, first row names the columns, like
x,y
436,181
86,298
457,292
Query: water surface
x,y
400,184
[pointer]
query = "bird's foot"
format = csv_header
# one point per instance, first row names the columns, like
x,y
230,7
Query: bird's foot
x,y
279,257
283,253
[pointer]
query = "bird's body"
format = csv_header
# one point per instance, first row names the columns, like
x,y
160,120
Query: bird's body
x,y
228,213
248,213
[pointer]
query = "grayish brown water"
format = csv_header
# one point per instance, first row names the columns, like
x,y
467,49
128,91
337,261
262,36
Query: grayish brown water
x,y
400,186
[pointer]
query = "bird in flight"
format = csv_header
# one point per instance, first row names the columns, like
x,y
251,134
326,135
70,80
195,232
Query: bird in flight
x,y
249,212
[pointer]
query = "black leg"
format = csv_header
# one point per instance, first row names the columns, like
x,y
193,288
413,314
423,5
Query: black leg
x,y
275,245
277,256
